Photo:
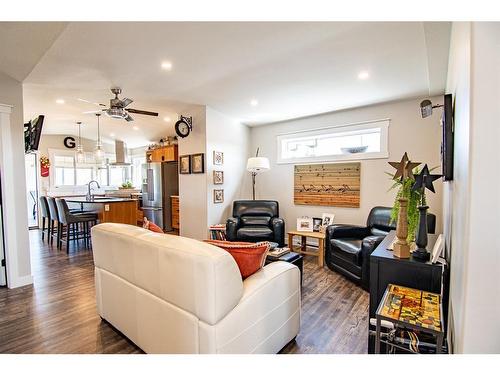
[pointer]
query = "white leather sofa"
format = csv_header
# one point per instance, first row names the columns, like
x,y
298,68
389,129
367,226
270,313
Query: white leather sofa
x,y
171,294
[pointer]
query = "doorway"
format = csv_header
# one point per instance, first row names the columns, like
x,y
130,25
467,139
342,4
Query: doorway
x,y
3,271
31,190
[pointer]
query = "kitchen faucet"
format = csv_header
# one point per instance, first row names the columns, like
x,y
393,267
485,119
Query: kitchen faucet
x,y
90,196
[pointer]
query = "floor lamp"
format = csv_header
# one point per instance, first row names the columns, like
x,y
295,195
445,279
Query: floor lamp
x,y
256,165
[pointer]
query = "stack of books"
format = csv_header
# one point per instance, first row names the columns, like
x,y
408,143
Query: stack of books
x,y
217,232
278,252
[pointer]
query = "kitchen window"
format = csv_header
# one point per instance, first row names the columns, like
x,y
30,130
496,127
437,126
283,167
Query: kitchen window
x,y
367,140
67,172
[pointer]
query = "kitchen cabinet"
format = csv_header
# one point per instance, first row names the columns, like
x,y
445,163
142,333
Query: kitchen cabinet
x,y
166,153
175,212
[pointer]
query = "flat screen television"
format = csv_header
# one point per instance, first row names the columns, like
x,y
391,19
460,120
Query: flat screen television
x,y
448,138
32,133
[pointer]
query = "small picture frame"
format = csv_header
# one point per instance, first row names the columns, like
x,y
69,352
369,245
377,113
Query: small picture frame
x,y
218,177
198,163
305,224
218,158
317,223
184,164
327,219
218,195
437,249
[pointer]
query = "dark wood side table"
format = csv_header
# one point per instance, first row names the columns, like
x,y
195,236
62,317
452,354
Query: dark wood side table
x,y
386,269
291,257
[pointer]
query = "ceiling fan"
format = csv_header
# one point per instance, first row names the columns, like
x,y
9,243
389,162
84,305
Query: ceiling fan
x,y
117,107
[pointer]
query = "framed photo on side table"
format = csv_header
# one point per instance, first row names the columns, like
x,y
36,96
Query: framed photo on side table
x,y
317,223
184,164
305,224
327,219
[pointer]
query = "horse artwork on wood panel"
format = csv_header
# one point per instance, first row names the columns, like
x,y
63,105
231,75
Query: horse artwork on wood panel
x,y
335,184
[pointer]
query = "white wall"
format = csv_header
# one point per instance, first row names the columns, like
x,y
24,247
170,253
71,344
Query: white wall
x,y
14,186
456,193
211,131
472,202
193,187
421,138
231,137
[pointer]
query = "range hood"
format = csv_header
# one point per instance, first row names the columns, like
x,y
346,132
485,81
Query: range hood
x,y
121,154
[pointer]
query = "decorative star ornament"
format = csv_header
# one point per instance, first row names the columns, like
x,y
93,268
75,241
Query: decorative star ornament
x,y
400,167
404,168
409,169
424,180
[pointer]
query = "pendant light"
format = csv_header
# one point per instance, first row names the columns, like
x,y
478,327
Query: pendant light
x,y
98,152
80,155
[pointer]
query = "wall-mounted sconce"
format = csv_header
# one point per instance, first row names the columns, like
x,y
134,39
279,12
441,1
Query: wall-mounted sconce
x,y
426,108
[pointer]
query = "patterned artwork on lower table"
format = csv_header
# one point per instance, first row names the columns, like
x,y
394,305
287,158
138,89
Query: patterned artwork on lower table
x,y
413,306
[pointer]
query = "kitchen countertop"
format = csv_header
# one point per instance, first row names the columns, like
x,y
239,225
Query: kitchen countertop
x,y
98,200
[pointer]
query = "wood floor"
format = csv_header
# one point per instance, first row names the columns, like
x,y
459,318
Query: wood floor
x,y
58,314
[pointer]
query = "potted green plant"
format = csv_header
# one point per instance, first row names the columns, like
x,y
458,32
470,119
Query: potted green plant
x,y
127,185
404,181
404,190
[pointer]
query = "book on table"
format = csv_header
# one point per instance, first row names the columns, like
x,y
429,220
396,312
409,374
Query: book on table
x,y
278,252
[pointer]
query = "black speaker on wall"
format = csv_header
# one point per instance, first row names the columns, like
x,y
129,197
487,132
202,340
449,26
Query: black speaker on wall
x,y
448,138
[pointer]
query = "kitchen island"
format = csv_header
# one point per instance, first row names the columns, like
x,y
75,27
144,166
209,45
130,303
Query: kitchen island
x,y
110,210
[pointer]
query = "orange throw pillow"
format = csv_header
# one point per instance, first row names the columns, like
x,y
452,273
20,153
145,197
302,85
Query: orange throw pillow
x,y
250,257
151,226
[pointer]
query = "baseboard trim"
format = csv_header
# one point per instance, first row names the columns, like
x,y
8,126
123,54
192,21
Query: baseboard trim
x,y
19,281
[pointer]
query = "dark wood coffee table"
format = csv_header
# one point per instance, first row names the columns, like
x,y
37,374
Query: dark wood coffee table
x,y
291,257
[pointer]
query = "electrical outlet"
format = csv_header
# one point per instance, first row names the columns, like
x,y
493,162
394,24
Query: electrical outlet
x,y
106,207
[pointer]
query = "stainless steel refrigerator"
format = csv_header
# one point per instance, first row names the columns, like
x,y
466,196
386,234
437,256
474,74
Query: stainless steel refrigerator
x,y
160,182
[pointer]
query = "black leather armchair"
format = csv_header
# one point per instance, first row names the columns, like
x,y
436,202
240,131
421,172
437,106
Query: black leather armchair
x,y
255,221
348,247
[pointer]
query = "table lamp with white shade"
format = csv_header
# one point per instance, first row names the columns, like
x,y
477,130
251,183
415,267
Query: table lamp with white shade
x,y
255,165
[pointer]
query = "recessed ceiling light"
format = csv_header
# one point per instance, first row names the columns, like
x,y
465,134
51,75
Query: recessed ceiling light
x,y
166,65
135,128
60,101
167,119
254,102
363,75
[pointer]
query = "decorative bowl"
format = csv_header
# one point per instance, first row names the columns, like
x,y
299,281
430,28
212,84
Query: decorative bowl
x,y
354,150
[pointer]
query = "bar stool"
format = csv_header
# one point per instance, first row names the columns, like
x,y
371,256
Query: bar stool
x,y
77,224
45,214
53,218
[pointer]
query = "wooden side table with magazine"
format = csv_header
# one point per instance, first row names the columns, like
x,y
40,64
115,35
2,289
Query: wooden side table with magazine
x,y
302,249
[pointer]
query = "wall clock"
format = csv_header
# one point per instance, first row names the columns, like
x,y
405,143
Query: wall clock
x,y
184,126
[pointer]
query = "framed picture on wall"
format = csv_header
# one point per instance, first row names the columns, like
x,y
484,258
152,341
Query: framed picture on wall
x,y
184,164
218,195
218,177
218,158
198,163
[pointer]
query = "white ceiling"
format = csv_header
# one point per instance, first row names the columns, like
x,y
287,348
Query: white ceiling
x,y
292,69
